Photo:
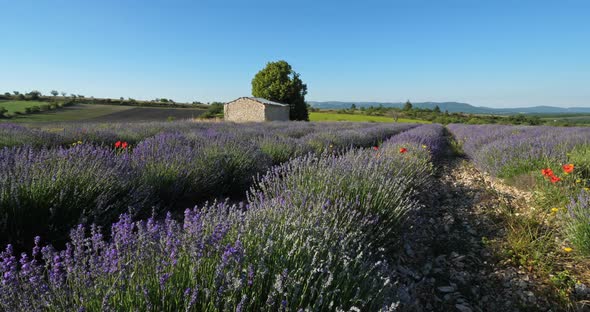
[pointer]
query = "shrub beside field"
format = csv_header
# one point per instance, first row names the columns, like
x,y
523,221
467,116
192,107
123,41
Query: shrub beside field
x,y
21,107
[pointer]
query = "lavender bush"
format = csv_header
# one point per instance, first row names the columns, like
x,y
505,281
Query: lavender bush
x,y
16,135
341,139
379,185
509,151
176,166
49,191
430,137
472,137
282,148
277,256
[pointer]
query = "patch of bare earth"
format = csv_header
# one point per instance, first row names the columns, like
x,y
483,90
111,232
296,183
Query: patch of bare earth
x,y
448,262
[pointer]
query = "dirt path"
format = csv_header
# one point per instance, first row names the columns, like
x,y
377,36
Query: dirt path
x,y
446,264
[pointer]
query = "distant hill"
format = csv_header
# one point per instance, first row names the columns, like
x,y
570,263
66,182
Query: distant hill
x,y
456,107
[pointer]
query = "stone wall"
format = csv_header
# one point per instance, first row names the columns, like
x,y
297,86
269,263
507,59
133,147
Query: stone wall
x,y
244,110
276,113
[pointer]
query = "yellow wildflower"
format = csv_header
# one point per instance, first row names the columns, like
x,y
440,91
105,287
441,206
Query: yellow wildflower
x,y
567,249
554,210
424,146
579,181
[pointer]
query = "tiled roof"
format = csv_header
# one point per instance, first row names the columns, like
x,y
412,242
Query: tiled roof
x,y
261,101
267,102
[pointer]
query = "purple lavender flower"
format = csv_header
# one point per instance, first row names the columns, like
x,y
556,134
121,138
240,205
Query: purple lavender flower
x,y
250,275
8,269
163,279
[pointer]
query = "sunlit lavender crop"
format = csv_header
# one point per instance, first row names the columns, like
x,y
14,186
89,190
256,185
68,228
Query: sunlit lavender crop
x,y
382,186
16,135
56,134
299,243
48,191
430,137
193,166
472,138
342,139
71,173
507,151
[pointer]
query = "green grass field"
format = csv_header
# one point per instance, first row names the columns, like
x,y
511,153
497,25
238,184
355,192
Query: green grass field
x,y
19,106
319,116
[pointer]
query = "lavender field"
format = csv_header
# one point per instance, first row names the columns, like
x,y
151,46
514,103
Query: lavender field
x,y
312,209
278,216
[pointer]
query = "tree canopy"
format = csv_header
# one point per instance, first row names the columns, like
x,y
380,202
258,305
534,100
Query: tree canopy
x,y
408,106
278,82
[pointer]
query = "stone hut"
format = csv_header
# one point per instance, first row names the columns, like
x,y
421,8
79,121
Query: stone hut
x,y
255,109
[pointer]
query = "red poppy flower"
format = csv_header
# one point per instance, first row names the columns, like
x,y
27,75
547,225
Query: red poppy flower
x,y
375,148
118,144
124,145
403,150
555,179
547,172
569,168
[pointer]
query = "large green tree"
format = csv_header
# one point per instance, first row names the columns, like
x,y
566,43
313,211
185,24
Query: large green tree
x,y
279,83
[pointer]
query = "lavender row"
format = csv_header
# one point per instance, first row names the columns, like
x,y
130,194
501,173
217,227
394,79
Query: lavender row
x,y
53,135
315,235
430,137
507,151
560,154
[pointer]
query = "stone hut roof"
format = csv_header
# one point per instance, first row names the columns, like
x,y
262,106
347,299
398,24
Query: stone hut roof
x,y
261,101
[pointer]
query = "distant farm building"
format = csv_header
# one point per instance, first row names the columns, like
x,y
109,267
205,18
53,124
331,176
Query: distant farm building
x,y
255,109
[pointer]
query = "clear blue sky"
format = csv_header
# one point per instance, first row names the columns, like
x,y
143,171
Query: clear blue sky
x,y
487,53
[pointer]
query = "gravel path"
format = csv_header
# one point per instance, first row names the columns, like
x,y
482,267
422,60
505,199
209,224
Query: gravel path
x,y
445,265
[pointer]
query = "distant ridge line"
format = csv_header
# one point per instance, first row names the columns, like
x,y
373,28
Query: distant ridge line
x,y
456,107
